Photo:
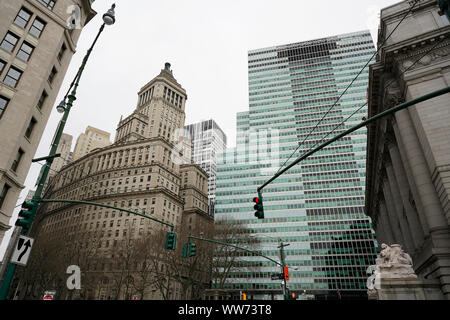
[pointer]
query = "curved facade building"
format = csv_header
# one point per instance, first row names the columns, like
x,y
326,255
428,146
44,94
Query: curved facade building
x,y
138,172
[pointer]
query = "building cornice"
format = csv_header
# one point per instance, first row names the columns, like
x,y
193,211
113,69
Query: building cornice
x,y
11,178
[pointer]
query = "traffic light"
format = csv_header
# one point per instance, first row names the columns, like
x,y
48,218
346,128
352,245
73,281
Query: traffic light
x,y
286,273
189,249
259,213
171,240
243,296
192,249
26,215
291,295
185,250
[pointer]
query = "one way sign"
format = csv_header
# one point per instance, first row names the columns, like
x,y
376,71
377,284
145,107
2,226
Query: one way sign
x,y
22,250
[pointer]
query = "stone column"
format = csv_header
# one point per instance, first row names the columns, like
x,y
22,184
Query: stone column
x,y
412,183
384,219
402,183
397,201
390,213
380,231
432,207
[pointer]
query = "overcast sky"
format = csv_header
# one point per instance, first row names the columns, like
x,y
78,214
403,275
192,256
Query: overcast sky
x,y
205,41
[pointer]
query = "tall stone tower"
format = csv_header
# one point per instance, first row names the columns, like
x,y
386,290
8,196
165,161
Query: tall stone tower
x,y
159,111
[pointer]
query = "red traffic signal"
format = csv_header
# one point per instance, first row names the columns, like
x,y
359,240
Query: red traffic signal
x,y
286,273
259,213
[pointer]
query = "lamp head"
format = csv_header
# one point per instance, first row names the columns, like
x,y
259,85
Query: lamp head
x,y
61,107
109,16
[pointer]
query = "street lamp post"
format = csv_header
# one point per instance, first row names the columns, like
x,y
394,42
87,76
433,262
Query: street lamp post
x,y
108,19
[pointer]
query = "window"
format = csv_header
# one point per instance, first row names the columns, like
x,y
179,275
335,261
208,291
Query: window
x,y
12,77
48,3
3,103
37,27
52,75
9,42
22,18
25,51
16,161
3,194
30,127
42,99
2,65
61,52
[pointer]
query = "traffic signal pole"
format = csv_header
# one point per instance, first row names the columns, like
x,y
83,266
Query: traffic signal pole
x,y
362,124
237,247
445,9
106,206
282,256
283,268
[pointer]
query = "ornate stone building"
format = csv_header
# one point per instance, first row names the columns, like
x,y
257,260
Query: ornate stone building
x,y
91,139
36,47
137,172
408,154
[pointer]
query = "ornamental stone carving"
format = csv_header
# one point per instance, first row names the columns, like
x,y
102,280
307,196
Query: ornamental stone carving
x,y
434,55
393,263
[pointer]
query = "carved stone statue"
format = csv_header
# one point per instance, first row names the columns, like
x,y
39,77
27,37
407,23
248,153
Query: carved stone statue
x,y
393,263
394,260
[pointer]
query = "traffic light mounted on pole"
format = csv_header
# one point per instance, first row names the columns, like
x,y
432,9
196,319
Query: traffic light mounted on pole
x,y
26,215
171,241
185,250
259,213
286,273
291,295
189,249
192,249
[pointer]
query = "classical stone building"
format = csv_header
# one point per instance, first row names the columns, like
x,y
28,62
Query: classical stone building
x,y
408,154
36,47
137,172
91,139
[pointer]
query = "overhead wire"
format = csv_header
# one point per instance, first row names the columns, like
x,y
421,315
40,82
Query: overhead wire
x,y
388,85
351,83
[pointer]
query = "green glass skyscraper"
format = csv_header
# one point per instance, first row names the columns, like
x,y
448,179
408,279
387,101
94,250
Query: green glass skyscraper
x,y
317,207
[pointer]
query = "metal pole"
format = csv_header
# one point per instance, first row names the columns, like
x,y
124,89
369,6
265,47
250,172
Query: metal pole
x,y
231,245
283,264
362,124
46,169
106,206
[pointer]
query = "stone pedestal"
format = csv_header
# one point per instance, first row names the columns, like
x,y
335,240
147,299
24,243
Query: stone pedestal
x,y
393,278
408,289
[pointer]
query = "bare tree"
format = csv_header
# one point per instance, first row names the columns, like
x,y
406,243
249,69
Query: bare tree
x,y
161,261
144,273
122,273
192,273
42,271
226,258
